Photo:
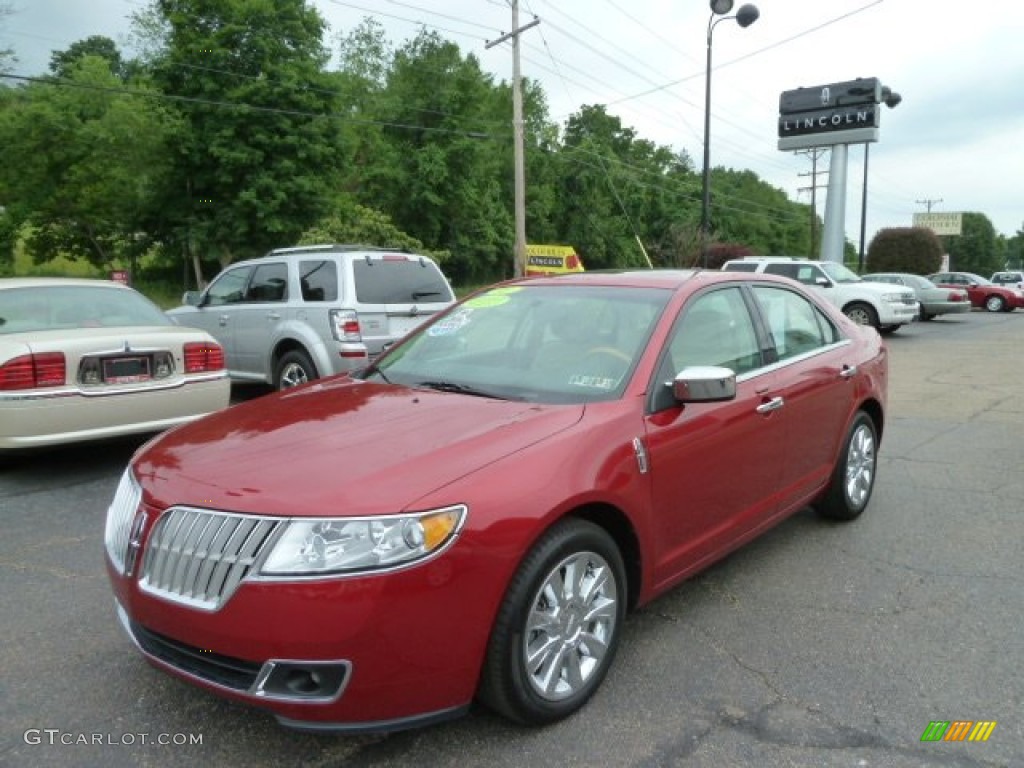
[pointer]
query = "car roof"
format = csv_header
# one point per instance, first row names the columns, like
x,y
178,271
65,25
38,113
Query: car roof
x,y
670,279
46,282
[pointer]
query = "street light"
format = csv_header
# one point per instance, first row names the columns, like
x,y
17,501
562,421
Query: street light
x,y
891,99
745,16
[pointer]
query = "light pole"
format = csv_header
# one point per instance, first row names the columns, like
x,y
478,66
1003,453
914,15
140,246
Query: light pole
x,y
890,99
745,16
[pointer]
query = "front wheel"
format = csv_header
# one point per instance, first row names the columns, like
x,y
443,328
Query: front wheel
x,y
853,478
293,369
995,303
862,314
558,628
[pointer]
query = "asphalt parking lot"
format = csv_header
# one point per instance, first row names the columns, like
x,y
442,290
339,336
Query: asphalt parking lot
x,y
816,645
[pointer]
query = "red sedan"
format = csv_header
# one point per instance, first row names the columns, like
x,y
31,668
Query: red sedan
x,y
982,292
473,516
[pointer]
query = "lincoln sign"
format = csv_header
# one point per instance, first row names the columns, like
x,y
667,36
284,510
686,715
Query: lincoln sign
x,y
837,113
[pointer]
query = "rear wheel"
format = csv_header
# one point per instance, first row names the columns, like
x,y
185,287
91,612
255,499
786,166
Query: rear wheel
x,y
294,368
862,314
558,628
853,478
995,303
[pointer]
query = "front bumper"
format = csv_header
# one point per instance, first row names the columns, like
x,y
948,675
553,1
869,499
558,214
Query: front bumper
x,y
358,654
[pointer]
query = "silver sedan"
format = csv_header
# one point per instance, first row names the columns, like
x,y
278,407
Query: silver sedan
x,y
90,359
934,300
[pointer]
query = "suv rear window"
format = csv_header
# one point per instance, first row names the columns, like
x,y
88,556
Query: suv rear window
x,y
399,281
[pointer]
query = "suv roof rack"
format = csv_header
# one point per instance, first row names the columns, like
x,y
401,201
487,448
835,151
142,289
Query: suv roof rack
x,y
334,247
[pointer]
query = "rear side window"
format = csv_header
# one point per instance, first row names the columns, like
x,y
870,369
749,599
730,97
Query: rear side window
x,y
319,280
796,325
399,281
741,266
804,273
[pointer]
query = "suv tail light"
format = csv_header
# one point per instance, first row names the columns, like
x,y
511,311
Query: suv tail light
x,y
345,325
47,369
201,357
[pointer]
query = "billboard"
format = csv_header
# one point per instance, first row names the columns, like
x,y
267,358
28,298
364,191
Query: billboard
x,y
940,223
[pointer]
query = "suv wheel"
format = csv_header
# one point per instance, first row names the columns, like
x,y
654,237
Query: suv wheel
x,y
862,314
294,368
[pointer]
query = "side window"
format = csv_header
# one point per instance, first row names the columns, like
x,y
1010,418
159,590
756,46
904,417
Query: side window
x,y
795,324
319,280
803,273
714,329
269,283
228,288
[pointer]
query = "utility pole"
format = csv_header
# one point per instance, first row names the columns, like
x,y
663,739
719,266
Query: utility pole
x,y
814,153
519,257
928,203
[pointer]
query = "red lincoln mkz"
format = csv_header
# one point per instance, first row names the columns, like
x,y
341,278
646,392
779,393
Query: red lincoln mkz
x,y
472,516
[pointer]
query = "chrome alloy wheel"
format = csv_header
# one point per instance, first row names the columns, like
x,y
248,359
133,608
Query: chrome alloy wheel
x,y
860,466
571,621
292,375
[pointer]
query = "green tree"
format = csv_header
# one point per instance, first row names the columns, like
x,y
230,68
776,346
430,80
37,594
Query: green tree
x,y
443,185
976,248
63,62
904,249
257,163
1015,250
91,158
7,57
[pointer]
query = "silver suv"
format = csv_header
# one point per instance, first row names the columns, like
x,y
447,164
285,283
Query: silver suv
x,y
300,313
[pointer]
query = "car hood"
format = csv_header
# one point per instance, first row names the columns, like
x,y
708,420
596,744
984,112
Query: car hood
x,y
339,447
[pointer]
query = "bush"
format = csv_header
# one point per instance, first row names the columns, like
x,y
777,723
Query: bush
x,y
905,249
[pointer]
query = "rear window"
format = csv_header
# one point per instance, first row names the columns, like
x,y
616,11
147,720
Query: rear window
x,y
401,280
47,308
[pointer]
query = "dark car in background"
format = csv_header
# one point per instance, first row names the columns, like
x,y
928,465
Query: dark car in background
x,y
471,517
934,300
982,292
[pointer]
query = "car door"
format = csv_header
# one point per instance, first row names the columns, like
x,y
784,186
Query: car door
x,y
815,379
216,310
257,318
715,467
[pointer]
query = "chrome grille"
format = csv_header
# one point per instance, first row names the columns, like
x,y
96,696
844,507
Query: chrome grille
x,y
120,515
198,558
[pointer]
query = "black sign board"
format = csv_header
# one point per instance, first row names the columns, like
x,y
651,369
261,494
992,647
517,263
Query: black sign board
x,y
865,90
828,120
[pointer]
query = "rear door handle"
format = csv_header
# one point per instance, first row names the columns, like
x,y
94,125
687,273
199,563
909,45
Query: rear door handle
x,y
223,320
848,371
772,405
273,316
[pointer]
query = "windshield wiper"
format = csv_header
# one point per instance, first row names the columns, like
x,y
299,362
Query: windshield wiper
x,y
462,389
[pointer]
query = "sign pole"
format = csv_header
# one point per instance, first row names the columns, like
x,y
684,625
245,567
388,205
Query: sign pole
x,y
834,236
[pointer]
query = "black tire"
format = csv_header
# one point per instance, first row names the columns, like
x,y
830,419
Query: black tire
x,y
889,329
925,317
853,478
861,313
580,632
294,368
995,303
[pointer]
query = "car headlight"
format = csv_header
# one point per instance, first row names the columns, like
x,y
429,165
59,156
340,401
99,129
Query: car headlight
x,y
894,298
356,545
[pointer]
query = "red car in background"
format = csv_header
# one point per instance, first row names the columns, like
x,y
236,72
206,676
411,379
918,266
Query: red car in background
x,y
982,292
472,516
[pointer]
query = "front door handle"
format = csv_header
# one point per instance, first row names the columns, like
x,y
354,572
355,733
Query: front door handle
x,y
772,405
848,371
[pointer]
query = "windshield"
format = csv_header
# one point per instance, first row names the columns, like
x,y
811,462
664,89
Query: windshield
x,y
838,273
545,344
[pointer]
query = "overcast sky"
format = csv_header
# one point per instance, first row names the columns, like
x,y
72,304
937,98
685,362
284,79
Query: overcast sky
x,y
954,143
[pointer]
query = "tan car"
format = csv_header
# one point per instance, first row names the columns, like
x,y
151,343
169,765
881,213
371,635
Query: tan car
x,y
89,359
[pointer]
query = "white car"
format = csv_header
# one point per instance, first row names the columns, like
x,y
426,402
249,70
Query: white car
x,y
886,307
89,359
